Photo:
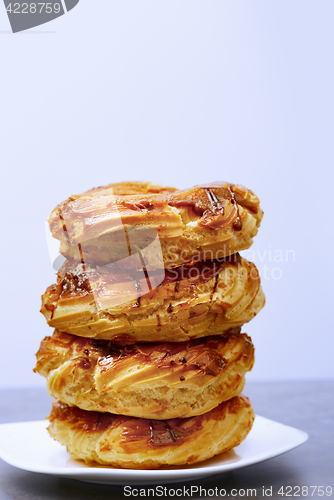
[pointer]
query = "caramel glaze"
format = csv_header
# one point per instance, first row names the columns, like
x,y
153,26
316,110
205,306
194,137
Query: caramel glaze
x,y
207,201
81,256
75,279
208,197
199,355
191,358
152,433
90,421
64,224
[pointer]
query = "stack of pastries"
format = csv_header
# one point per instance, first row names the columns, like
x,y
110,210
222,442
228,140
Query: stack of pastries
x,y
147,362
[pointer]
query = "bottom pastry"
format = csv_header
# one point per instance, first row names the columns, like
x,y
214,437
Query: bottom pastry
x,y
137,443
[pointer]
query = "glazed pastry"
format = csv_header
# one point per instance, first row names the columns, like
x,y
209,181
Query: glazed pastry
x,y
154,380
194,300
128,442
110,224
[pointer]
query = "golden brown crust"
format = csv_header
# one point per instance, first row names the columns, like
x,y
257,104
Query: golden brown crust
x,y
205,298
158,381
204,222
128,442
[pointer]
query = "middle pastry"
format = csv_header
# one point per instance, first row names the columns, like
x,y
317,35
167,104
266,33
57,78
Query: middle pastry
x,y
174,305
149,380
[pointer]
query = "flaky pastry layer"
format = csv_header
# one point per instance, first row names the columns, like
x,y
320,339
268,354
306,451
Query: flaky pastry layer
x,y
160,381
195,300
127,442
201,223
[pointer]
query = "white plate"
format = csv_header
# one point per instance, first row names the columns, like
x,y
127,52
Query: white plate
x,y
28,446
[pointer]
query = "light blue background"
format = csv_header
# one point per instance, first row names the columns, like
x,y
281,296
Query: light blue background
x,y
180,92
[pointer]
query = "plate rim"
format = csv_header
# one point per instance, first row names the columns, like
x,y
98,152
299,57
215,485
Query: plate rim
x,y
153,473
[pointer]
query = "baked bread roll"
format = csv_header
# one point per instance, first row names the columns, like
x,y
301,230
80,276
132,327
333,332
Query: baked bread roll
x,y
194,300
128,442
159,381
111,224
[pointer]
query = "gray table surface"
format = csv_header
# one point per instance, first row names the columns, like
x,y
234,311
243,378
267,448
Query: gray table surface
x,y
306,405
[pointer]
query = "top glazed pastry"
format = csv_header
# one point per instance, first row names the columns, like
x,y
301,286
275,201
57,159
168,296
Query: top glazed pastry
x,y
162,227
